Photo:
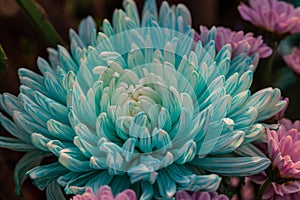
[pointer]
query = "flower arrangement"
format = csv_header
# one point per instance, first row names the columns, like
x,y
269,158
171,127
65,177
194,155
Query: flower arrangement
x,y
149,108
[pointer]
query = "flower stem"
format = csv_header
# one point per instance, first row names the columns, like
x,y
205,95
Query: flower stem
x,y
267,72
2,59
263,188
36,14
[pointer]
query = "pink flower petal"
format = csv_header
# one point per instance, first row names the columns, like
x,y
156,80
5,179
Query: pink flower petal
x,y
275,16
284,152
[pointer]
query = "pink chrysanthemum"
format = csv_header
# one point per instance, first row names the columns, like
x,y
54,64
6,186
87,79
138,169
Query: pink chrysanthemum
x,y
183,195
284,152
293,60
288,124
275,16
240,42
105,193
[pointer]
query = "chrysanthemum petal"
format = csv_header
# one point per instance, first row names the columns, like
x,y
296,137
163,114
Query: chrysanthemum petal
x,y
27,162
228,166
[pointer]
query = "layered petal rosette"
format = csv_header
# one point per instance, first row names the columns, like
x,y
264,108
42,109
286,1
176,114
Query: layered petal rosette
x,y
275,16
284,152
293,60
136,106
239,41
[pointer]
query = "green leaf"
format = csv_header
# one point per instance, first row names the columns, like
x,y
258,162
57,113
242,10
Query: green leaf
x,y
2,59
54,192
27,162
38,17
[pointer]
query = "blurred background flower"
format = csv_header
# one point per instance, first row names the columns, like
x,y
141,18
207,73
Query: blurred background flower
x,y
275,16
293,60
289,124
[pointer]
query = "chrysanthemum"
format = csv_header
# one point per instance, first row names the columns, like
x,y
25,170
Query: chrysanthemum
x,y
105,193
240,43
284,152
135,107
288,124
183,195
275,16
293,60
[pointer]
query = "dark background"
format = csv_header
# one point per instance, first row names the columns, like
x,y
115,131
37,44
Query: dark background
x,y
23,43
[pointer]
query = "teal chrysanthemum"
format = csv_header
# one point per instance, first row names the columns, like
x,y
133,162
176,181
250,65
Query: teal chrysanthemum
x,y
139,105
